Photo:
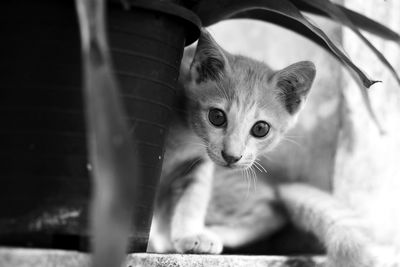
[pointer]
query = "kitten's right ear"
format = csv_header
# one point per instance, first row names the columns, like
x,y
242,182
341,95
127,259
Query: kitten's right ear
x,y
209,62
294,83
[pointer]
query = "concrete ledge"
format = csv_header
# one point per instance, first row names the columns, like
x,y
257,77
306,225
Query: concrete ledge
x,y
21,257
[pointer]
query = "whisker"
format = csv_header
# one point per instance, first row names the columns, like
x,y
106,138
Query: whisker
x,y
256,164
260,165
247,182
254,178
258,168
249,176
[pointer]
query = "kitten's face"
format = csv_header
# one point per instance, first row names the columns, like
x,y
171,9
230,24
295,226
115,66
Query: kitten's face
x,y
238,106
237,119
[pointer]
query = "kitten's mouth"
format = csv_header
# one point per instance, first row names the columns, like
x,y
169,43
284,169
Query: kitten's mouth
x,y
238,166
223,163
235,166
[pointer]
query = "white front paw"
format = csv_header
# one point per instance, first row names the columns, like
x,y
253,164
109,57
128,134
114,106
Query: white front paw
x,y
205,242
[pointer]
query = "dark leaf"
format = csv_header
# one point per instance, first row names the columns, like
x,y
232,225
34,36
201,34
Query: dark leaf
x,y
368,104
360,21
213,11
338,15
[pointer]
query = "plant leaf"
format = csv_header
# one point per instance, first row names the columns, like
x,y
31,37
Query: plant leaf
x,y
338,15
360,21
367,103
212,11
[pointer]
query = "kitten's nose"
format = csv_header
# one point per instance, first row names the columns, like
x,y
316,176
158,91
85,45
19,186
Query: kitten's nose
x,y
229,158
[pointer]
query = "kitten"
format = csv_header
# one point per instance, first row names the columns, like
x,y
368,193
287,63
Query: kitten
x,y
232,109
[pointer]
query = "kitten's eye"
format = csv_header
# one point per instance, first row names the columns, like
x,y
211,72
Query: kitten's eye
x,y
217,117
260,129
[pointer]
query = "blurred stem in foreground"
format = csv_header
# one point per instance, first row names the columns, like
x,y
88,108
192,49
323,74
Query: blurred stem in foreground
x,y
111,150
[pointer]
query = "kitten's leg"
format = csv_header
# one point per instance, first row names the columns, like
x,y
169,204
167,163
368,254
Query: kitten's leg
x,y
245,232
343,233
188,232
240,215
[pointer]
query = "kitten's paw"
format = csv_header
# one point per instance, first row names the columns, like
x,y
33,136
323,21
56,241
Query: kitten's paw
x,y
205,242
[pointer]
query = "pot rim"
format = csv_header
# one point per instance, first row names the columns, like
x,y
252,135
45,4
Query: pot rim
x,y
192,21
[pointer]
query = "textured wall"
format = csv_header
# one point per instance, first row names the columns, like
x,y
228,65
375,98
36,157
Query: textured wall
x,y
367,171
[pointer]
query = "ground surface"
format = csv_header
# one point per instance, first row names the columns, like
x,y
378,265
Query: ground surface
x,y
12,257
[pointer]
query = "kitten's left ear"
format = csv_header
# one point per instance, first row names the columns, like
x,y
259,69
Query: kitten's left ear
x,y
293,84
209,62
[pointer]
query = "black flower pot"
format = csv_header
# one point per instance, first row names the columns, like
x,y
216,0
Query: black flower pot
x,y
44,182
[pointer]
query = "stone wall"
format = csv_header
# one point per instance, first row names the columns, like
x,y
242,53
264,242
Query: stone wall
x,y
367,168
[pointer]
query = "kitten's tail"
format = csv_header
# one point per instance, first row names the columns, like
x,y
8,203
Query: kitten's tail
x,y
338,227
